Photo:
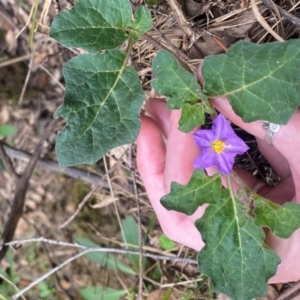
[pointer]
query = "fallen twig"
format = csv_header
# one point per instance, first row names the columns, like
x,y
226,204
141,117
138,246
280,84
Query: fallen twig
x,y
289,292
53,166
290,17
21,190
86,250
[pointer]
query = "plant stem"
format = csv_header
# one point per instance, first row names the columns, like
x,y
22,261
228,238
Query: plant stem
x,y
230,187
128,50
248,191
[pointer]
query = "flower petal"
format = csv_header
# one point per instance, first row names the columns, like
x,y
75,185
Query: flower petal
x,y
234,144
224,162
205,159
204,138
221,128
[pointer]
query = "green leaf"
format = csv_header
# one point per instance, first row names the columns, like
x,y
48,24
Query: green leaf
x,y
260,81
93,25
96,25
188,198
166,243
282,220
130,229
104,259
142,23
174,81
191,116
152,2
102,105
7,130
99,292
234,256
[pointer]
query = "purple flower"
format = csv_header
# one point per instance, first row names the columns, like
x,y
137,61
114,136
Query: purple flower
x,y
218,146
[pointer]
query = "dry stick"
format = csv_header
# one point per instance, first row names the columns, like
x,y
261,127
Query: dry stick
x,y
11,283
15,60
80,206
177,52
289,292
53,166
263,23
278,22
184,24
7,162
27,23
52,260
21,189
169,45
88,196
113,197
85,251
140,241
28,73
53,78
290,17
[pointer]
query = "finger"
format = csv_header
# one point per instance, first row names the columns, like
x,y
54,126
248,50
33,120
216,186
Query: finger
x,y
256,129
296,177
224,107
181,153
275,158
157,109
283,192
151,162
151,152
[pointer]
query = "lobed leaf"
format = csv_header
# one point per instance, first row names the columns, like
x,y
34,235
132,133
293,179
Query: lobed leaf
x,y
191,116
282,220
102,104
261,82
173,81
199,190
93,25
234,256
142,23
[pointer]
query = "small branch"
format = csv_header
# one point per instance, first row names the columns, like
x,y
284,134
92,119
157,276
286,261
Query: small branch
x,y
140,239
53,166
263,23
80,205
184,24
21,190
86,250
28,74
289,292
10,283
7,162
169,45
102,249
290,17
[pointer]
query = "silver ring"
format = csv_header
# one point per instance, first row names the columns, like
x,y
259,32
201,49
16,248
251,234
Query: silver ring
x,y
272,129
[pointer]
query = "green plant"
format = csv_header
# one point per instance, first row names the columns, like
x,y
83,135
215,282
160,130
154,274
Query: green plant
x,y
7,130
102,105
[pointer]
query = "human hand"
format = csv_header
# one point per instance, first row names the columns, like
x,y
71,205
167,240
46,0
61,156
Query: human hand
x,y
161,163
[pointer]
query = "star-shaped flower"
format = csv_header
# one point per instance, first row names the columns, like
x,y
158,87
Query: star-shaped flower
x,y
218,146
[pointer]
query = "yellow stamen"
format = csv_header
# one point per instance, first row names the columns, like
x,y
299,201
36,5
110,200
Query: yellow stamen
x,y
218,146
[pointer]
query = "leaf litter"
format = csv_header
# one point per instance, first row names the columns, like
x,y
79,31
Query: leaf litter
x,y
51,196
